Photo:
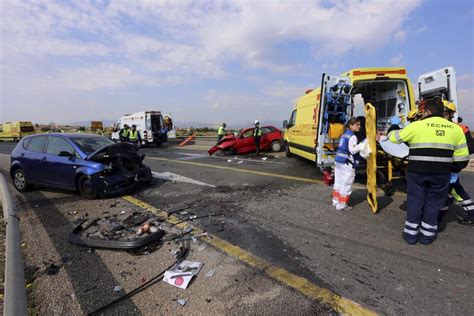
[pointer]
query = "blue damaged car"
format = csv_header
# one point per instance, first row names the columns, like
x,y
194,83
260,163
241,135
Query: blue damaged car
x,y
91,164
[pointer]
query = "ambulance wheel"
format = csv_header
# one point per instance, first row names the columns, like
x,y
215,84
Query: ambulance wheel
x,y
287,150
276,146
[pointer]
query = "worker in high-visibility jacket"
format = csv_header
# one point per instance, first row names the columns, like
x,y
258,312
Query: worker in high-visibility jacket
x,y
134,136
437,148
257,135
457,191
221,132
345,165
124,132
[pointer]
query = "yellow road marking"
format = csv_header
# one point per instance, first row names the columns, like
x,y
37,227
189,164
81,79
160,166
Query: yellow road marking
x,y
300,284
260,173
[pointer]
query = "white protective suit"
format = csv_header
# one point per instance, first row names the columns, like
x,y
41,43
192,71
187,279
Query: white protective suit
x,y
344,174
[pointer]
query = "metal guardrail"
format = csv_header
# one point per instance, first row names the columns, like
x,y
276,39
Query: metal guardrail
x,y
15,290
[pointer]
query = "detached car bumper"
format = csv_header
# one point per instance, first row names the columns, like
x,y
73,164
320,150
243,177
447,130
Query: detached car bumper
x,y
120,181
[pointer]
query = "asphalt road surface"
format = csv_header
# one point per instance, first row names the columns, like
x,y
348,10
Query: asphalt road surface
x,y
276,210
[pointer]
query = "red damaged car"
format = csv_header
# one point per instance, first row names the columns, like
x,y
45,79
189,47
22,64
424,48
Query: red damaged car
x,y
244,142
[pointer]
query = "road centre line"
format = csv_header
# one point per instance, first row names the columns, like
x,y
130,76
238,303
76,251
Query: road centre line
x,y
300,284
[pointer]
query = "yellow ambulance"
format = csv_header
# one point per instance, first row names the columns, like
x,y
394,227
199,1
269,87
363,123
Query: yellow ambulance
x,y
317,120
16,130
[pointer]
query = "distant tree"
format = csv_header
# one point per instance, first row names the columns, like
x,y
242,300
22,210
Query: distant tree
x,y
82,129
45,129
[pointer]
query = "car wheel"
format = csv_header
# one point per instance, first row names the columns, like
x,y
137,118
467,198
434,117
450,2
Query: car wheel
x,y
287,150
158,144
19,181
276,146
85,188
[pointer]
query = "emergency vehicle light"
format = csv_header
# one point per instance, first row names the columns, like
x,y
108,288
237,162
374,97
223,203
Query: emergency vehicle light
x,y
380,72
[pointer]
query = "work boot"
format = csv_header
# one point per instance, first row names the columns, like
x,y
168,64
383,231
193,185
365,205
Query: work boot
x,y
410,241
466,218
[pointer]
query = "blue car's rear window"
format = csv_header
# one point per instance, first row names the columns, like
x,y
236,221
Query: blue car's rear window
x,y
88,145
36,143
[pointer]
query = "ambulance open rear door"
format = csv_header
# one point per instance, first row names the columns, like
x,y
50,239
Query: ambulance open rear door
x,y
335,109
439,83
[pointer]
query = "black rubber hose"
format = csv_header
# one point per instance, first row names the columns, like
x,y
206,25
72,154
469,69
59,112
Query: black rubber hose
x,y
150,282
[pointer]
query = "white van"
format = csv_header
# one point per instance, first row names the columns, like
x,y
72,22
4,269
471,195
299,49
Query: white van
x,y
149,124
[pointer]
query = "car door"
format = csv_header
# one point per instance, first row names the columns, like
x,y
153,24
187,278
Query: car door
x,y
442,83
335,106
245,142
265,140
60,170
31,158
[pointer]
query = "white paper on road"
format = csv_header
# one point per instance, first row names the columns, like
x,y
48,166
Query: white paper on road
x,y
396,150
169,176
182,273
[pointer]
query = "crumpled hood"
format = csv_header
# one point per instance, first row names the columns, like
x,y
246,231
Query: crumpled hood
x,y
111,152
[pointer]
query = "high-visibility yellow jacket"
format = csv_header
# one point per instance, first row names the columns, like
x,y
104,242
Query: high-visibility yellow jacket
x,y
257,131
436,145
133,135
221,131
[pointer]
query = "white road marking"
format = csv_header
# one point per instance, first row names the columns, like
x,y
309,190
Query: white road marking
x,y
169,176
249,160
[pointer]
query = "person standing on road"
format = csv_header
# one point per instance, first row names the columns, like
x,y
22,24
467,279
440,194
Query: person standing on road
x,y
221,132
124,133
257,134
437,147
134,136
456,189
346,164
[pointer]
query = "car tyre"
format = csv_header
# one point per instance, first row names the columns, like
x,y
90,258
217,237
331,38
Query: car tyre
x,y
287,150
276,146
19,181
85,189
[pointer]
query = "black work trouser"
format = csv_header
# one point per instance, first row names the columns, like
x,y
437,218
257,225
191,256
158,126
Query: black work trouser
x,y
257,144
426,195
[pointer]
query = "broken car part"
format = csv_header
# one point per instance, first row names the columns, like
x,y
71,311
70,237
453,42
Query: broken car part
x,y
75,238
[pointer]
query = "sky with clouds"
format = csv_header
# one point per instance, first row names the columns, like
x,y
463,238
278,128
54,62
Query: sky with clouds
x,y
214,61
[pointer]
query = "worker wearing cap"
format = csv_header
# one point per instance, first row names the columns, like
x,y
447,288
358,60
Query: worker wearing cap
x,y
414,115
437,147
456,189
124,133
134,136
221,132
257,134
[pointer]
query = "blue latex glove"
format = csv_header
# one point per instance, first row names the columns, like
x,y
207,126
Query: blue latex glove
x,y
454,177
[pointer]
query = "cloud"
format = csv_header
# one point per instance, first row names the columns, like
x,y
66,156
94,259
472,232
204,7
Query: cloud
x,y
466,103
400,36
465,78
421,29
80,47
397,60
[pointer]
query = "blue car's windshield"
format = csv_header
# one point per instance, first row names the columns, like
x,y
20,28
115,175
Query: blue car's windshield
x,y
91,144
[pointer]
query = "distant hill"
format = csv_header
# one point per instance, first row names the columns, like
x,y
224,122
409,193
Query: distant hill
x,y
184,124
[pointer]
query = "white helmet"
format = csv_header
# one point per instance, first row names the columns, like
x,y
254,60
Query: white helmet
x,y
257,122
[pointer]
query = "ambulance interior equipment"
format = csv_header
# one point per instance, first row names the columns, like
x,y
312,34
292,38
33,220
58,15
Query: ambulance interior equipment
x,y
389,98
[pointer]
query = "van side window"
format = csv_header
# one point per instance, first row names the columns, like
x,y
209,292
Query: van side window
x,y
292,119
37,144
